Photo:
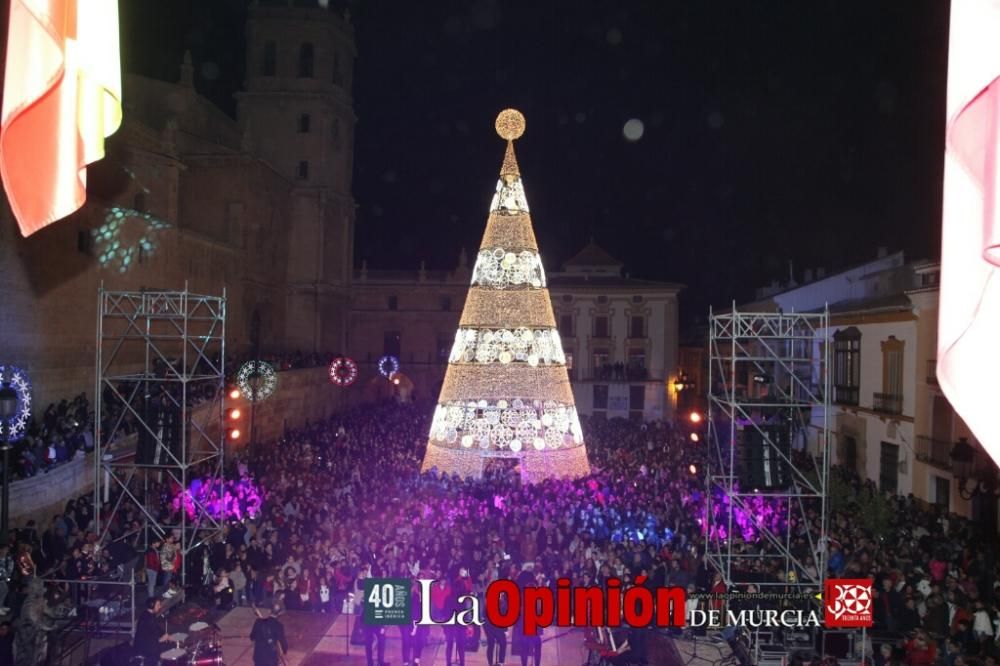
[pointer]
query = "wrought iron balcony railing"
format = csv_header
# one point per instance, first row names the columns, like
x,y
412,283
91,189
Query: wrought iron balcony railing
x,y
887,403
934,451
845,395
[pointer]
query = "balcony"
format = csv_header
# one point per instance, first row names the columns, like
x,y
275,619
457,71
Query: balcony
x,y
936,452
932,372
845,395
887,403
617,372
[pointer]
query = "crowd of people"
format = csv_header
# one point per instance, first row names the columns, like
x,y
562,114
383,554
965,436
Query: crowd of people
x,y
60,433
344,499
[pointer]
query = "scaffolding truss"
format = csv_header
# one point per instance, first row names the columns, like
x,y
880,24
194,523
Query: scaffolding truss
x,y
769,383
159,431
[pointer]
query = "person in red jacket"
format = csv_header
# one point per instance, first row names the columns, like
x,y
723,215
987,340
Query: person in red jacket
x,y
440,599
152,566
920,650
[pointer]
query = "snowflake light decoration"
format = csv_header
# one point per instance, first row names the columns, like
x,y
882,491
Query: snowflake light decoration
x,y
257,380
388,366
17,379
343,371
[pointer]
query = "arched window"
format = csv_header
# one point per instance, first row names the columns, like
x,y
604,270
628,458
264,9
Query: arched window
x,y
304,123
269,58
306,61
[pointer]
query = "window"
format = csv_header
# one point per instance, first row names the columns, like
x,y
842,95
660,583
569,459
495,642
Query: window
x,y
304,122
391,344
269,59
446,303
637,328
600,396
942,492
888,478
636,364
846,365
637,397
303,171
569,364
602,363
892,367
444,345
306,61
850,453
393,302
566,325
600,327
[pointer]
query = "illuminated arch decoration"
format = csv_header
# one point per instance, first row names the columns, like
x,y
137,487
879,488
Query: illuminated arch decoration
x,y
17,378
388,365
343,371
506,392
257,380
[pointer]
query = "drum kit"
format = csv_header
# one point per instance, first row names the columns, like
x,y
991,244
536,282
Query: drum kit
x,y
201,645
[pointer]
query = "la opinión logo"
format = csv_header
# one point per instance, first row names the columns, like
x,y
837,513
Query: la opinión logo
x,y
505,603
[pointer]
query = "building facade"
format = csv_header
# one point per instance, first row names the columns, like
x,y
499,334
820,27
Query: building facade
x,y
891,422
189,195
619,334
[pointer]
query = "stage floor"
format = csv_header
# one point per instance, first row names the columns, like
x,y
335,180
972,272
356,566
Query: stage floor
x,y
316,640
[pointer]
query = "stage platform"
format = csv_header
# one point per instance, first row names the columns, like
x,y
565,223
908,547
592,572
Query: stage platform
x,y
316,639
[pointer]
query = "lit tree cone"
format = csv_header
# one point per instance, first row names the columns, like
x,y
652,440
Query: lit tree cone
x,y
506,393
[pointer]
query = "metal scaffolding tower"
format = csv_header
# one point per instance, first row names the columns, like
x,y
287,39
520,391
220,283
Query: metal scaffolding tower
x,y
769,425
159,431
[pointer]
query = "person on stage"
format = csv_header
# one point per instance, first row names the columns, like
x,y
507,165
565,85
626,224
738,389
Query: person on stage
x,y
269,642
150,642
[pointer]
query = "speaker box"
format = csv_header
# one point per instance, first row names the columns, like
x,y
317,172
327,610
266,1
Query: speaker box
x,y
764,455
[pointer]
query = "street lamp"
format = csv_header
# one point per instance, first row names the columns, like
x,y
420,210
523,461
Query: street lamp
x,y
682,383
8,410
963,457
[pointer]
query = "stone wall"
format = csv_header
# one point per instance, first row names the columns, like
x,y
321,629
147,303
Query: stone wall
x,y
302,395
39,497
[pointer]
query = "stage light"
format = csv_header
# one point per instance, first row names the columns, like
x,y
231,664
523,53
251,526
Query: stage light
x,y
234,394
695,417
693,469
234,414
695,437
234,434
395,380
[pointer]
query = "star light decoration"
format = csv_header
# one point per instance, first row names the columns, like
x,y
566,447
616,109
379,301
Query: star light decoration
x,y
388,365
257,380
343,371
506,393
15,426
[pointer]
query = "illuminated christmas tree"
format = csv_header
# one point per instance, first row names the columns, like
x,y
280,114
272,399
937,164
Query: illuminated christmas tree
x,y
506,394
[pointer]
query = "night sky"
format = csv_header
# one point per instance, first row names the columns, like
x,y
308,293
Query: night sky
x,y
772,131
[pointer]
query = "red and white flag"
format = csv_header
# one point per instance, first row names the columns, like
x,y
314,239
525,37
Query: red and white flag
x,y
969,315
61,98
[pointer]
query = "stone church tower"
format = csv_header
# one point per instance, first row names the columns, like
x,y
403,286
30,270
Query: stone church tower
x,y
297,114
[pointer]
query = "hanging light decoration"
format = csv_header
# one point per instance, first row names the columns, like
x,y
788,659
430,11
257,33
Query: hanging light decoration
x,y
388,365
17,379
343,371
257,380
